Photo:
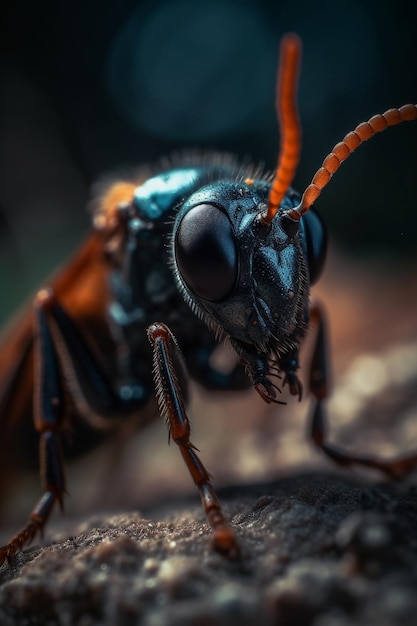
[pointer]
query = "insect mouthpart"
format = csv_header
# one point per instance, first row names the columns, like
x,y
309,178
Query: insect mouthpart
x,y
261,367
267,390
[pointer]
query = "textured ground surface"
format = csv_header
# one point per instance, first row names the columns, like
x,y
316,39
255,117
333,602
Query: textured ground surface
x,y
316,549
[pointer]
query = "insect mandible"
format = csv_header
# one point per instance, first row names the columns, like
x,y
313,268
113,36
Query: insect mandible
x,y
216,250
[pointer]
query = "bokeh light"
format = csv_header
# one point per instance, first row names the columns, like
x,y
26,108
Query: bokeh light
x,y
191,72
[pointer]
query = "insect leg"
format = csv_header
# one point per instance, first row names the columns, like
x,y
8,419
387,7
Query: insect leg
x,y
167,362
60,352
319,387
89,385
48,406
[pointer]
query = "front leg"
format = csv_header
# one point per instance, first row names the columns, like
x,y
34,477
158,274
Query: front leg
x,y
167,361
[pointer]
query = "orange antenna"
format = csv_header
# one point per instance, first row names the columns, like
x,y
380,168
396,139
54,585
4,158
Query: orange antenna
x,y
289,123
344,149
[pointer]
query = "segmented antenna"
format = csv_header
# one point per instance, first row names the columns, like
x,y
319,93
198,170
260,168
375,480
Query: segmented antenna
x,y
344,149
289,123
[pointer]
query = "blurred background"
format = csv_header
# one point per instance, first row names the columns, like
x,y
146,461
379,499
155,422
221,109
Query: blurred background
x,y
89,88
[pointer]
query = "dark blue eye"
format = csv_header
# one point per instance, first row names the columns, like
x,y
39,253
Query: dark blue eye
x,y
206,253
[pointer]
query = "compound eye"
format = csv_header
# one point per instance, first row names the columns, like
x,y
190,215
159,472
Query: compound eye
x,y
206,253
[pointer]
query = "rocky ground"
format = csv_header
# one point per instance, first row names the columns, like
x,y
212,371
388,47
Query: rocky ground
x,y
317,549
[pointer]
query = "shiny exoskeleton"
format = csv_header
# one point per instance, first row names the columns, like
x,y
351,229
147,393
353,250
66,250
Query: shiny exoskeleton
x,y
200,251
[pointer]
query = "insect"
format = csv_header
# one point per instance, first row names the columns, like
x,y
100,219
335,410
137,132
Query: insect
x,y
217,251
